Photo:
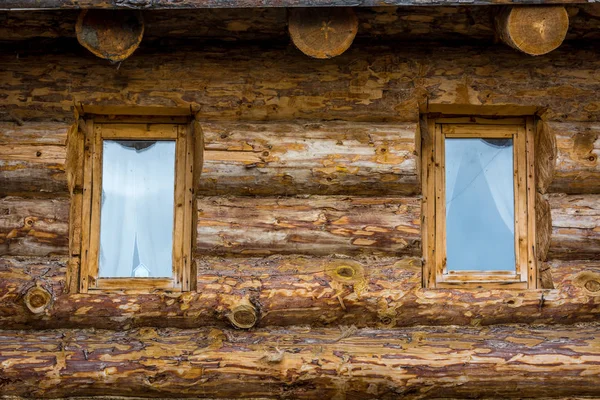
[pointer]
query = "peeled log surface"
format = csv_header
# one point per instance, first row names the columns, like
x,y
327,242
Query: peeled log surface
x,y
577,164
319,225
309,225
374,83
286,290
305,363
534,30
575,227
322,32
113,35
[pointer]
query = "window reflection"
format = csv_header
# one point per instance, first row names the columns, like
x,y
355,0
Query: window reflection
x,y
136,218
480,213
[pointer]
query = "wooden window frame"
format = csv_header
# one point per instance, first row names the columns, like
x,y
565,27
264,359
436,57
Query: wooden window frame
x,y
521,130
179,129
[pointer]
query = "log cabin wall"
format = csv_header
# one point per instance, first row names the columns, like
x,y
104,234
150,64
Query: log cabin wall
x,y
309,165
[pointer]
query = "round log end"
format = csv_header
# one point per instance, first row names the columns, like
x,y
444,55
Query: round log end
x,y
588,281
37,299
243,316
534,30
110,34
322,32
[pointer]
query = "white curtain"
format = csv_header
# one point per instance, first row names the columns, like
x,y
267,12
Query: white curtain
x,y
137,207
480,157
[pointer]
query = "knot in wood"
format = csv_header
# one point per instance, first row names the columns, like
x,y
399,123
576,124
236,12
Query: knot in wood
x,y
37,299
243,316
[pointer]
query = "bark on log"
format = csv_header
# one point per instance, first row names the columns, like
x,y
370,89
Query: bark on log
x,y
287,290
458,362
309,225
533,30
577,164
575,227
112,35
372,84
545,156
322,32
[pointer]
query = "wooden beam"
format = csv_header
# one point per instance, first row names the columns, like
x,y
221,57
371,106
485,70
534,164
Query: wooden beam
x,y
191,4
322,32
534,30
504,361
109,34
367,291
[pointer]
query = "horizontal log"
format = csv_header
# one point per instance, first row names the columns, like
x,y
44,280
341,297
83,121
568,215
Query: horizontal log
x,y
309,158
193,4
316,225
305,363
246,158
309,225
369,83
285,290
575,227
577,165
406,22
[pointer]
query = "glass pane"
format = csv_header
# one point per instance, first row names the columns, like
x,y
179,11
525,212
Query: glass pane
x,y
136,218
480,207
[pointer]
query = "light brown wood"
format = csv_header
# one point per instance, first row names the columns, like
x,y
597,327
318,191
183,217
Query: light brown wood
x,y
543,226
534,30
525,274
322,32
243,315
112,35
575,227
37,299
545,154
306,363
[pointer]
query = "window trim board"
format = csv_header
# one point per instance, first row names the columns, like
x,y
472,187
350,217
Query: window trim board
x,y
435,274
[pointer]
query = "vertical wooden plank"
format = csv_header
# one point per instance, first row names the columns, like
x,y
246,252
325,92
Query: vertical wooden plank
x,y
521,216
94,245
428,206
179,212
532,271
189,208
440,206
86,205
74,167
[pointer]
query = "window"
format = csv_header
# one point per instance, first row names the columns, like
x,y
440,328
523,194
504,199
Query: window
x,y
478,203
138,212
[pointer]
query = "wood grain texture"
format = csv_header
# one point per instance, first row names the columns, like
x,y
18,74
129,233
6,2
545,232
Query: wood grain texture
x,y
305,363
309,158
322,32
288,290
367,83
426,24
575,227
533,30
192,4
309,225
577,164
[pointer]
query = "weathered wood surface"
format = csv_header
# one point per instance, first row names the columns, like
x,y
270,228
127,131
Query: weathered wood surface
x,y
301,157
246,158
575,227
322,32
533,30
309,158
319,291
305,363
192,4
577,165
367,83
109,34
424,23
309,225
297,225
